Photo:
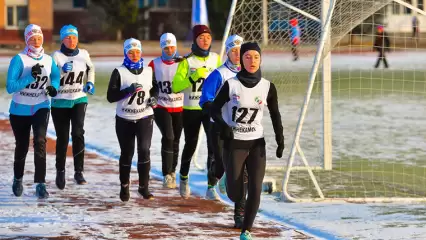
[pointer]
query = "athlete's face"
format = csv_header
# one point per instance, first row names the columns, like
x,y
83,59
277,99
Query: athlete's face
x,y
204,41
234,55
251,61
134,55
35,41
70,41
170,50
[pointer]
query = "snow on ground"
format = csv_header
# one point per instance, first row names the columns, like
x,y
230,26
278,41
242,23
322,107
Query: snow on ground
x,y
330,221
94,211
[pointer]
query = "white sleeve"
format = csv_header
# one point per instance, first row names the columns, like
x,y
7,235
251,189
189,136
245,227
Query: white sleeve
x,y
91,68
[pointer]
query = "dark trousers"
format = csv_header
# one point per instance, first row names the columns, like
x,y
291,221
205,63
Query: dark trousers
x,y
192,120
61,119
217,166
254,159
170,125
21,126
127,131
415,32
382,56
294,52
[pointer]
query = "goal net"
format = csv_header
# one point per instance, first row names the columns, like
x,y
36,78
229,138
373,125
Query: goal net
x,y
353,132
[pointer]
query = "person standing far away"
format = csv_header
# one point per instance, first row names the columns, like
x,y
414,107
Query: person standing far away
x,y
168,113
381,45
189,79
32,77
238,108
134,89
295,38
77,79
416,28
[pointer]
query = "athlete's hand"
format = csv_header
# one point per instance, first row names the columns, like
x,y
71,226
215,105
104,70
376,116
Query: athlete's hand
x,y
200,73
67,67
280,148
51,91
36,70
227,133
152,102
89,88
206,108
135,87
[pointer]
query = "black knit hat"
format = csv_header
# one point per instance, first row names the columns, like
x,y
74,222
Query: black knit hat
x,y
245,77
247,46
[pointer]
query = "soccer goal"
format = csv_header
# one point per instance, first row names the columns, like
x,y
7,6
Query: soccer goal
x,y
353,132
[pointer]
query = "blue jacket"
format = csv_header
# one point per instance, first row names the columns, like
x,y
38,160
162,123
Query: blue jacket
x,y
214,81
16,83
295,32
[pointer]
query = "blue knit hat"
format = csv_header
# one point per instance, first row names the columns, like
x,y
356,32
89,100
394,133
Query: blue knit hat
x,y
68,30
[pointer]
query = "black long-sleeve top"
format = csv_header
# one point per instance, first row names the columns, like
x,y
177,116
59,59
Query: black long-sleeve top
x,y
272,100
114,94
382,42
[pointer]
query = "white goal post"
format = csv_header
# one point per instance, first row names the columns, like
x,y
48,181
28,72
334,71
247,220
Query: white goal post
x,y
370,180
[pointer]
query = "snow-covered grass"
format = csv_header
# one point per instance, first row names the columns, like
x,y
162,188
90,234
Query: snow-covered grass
x,y
378,125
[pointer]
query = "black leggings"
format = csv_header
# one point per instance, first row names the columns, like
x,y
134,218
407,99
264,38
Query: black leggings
x,y
61,119
382,56
217,166
170,125
126,131
21,126
192,120
254,159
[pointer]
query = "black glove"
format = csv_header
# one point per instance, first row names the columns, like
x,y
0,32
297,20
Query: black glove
x,y
51,91
280,143
135,87
227,133
36,70
206,108
152,102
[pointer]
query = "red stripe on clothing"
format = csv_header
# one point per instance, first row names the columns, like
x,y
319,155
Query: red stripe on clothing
x,y
171,110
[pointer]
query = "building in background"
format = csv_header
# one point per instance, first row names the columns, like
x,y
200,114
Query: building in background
x,y
165,16
88,18
155,17
400,18
16,14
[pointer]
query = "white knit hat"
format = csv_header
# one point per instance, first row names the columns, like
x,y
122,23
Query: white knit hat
x,y
132,44
167,40
232,42
32,30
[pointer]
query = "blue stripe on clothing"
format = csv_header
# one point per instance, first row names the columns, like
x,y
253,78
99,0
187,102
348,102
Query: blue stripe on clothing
x,y
295,32
15,83
210,87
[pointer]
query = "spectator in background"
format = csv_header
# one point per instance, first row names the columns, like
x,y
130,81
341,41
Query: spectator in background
x,y
381,44
295,38
416,23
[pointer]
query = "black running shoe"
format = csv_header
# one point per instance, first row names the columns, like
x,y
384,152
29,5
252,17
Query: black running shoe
x,y
79,179
144,192
17,187
125,192
41,191
60,179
